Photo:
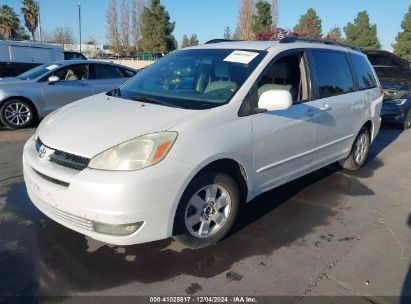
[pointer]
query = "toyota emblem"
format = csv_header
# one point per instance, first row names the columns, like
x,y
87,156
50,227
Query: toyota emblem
x,y
42,152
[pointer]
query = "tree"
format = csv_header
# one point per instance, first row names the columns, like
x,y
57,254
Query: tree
x,y
112,27
402,47
227,33
30,11
125,28
361,33
137,7
245,17
334,34
62,35
157,29
9,22
262,20
193,40
274,34
185,42
22,34
309,25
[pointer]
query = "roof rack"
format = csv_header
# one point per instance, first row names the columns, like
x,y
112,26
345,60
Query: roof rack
x,y
291,39
221,40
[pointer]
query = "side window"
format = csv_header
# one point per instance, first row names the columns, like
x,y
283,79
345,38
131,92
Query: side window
x,y
72,72
332,73
128,73
105,71
362,68
287,73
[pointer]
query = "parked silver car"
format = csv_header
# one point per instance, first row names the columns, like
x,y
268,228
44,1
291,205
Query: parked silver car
x,y
43,89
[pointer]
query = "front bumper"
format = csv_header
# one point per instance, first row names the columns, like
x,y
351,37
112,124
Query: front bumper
x,y
391,112
150,195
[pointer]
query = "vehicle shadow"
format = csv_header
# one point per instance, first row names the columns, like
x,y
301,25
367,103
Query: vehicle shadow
x,y
64,260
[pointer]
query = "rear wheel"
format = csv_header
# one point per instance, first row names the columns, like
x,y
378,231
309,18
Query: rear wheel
x,y
16,114
359,151
207,210
407,120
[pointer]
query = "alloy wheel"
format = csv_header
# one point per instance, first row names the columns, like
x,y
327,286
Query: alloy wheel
x,y
361,148
17,114
207,211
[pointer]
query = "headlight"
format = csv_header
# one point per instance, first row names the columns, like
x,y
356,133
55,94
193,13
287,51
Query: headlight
x,y
398,102
135,154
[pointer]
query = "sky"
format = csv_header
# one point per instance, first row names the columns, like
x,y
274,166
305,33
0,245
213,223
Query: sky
x,y
208,18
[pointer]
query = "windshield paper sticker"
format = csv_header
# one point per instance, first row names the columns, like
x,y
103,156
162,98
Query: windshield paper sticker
x,y
241,57
52,67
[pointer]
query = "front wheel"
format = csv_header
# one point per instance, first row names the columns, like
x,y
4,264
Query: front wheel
x,y
16,114
207,210
359,151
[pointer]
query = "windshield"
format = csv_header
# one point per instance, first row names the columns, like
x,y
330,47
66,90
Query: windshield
x,y
38,71
196,79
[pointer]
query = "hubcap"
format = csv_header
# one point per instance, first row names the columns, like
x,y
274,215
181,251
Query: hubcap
x,y
361,149
207,211
17,114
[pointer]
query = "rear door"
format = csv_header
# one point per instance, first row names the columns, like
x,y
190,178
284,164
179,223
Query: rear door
x,y
340,107
106,77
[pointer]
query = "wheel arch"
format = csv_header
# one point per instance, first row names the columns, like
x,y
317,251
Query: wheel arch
x,y
36,111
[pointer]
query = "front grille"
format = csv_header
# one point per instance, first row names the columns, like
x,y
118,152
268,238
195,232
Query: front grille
x,y
65,217
65,159
52,180
69,160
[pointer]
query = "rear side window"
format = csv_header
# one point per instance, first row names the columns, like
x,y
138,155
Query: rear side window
x,y
104,71
332,73
362,68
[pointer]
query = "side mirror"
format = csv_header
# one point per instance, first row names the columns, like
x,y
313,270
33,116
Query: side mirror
x,y
53,79
275,100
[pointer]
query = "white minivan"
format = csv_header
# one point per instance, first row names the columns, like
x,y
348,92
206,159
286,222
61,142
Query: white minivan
x,y
178,148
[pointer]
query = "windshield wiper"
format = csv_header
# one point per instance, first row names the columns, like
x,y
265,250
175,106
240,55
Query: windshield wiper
x,y
153,100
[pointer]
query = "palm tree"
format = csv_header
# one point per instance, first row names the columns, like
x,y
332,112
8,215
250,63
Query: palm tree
x,y
9,22
30,11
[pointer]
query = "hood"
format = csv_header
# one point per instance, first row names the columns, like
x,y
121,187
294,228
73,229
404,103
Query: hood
x,y
90,126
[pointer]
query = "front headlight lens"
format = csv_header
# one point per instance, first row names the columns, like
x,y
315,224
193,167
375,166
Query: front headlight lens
x,y
135,154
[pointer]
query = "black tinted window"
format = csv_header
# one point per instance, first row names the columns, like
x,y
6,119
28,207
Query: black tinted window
x,y
365,76
128,73
332,73
103,71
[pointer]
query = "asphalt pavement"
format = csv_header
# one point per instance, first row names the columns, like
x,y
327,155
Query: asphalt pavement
x,y
330,233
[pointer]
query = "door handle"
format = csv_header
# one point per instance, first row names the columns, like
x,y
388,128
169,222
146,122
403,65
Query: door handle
x,y
325,107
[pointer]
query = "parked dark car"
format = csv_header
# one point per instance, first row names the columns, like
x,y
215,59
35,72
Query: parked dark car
x,y
396,107
395,76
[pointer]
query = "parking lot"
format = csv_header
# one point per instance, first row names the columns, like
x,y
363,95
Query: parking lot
x,y
332,232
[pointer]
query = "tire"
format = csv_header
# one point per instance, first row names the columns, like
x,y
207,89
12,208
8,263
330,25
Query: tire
x,y
198,221
17,113
359,151
407,121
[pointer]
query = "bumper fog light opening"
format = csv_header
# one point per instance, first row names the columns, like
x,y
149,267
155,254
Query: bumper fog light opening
x,y
118,230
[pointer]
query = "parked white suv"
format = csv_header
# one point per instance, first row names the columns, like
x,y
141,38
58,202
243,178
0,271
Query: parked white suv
x,y
176,149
